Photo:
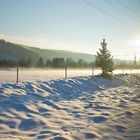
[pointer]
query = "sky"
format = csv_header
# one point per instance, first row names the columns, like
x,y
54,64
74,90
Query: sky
x,y
75,25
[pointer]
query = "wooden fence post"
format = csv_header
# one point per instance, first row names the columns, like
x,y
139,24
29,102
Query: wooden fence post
x,y
92,70
17,71
123,70
131,71
65,70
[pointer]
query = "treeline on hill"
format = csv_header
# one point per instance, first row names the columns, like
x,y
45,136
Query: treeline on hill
x,y
54,63
12,54
126,65
13,63
58,63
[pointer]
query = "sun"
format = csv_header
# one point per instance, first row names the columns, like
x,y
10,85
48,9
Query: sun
x,y
134,46
137,47
137,42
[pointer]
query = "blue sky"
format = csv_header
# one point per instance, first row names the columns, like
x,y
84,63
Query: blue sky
x,y
73,24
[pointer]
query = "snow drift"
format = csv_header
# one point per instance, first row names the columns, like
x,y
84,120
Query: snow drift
x,y
67,109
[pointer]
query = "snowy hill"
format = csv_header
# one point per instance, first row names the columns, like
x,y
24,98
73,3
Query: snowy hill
x,y
71,109
10,50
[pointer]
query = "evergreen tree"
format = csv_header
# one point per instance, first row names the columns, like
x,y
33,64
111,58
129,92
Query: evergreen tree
x,y
104,59
40,62
29,62
49,63
80,63
58,62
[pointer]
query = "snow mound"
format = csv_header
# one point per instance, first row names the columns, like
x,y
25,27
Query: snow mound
x,y
68,109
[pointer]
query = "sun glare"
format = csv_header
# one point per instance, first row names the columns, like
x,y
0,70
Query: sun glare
x,y
137,42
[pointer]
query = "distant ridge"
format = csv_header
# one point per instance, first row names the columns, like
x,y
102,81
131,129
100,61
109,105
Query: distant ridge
x,y
10,50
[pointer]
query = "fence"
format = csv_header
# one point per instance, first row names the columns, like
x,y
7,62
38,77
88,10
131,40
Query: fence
x,y
33,74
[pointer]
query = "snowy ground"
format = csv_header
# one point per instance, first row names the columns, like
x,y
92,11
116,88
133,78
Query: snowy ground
x,y
74,109
26,75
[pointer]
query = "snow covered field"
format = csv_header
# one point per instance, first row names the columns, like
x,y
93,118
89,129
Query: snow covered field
x,y
73,109
9,75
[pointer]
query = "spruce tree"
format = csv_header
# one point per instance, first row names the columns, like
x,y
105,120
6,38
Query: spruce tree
x,y
104,59
40,62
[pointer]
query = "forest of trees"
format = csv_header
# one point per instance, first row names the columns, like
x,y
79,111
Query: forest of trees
x,y
54,63
13,63
59,63
12,54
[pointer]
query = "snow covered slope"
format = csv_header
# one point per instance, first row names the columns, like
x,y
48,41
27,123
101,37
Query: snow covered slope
x,y
71,109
